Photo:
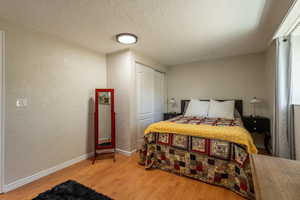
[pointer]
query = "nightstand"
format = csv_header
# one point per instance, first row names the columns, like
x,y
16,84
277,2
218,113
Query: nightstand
x,y
170,115
259,125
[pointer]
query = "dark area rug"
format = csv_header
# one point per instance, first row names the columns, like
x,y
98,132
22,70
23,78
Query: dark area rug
x,y
71,190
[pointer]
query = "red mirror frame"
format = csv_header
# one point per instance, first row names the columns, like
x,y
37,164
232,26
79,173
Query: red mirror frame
x,y
96,123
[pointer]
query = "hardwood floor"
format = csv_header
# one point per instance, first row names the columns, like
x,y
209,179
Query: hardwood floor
x,y
125,179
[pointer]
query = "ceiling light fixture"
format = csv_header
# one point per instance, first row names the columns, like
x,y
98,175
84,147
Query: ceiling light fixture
x,y
126,38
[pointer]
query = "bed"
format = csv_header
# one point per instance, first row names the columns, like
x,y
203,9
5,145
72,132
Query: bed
x,y
212,150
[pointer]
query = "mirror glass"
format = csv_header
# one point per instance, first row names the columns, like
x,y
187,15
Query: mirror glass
x,y
104,119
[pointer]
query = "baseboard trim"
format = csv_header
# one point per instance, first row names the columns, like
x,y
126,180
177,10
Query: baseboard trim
x,y
23,181
124,152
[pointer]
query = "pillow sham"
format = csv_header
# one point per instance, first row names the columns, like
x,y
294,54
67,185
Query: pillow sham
x,y
237,114
185,107
221,109
197,108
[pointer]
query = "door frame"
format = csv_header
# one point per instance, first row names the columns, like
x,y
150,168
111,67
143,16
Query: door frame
x,y
2,107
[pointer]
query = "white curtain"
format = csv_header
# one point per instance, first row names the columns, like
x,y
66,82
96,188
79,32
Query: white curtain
x,y
283,137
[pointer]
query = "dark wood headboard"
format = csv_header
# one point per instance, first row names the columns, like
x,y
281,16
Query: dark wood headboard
x,y
238,104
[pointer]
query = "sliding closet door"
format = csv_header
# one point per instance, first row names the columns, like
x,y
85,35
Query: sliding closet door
x,y
159,79
145,99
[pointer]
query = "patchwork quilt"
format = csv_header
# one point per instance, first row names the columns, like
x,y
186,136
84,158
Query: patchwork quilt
x,y
205,120
214,161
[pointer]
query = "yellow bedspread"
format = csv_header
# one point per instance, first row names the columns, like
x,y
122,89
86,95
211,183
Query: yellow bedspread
x,y
234,134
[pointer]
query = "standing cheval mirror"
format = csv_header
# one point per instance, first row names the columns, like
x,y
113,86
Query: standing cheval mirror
x,y
104,123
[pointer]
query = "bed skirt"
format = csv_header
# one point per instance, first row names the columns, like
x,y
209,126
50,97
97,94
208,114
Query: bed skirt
x,y
212,161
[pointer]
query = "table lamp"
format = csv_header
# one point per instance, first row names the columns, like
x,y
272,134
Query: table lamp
x,y
172,102
254,102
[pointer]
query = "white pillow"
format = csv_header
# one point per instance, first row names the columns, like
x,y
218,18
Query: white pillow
x,y
218,109
197,108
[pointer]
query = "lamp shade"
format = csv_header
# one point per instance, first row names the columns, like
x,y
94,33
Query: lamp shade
x,y
255,101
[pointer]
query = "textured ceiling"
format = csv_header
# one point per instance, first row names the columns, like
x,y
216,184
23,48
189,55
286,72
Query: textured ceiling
x,y
170,31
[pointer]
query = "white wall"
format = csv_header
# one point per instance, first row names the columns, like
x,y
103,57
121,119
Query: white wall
x,y
58,79
240,77
119,70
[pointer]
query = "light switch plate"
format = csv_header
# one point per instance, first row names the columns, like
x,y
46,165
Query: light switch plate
x,y
21,102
